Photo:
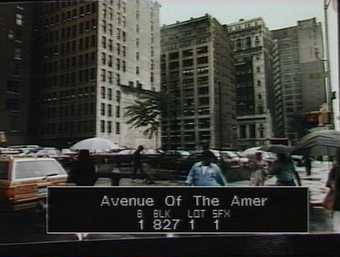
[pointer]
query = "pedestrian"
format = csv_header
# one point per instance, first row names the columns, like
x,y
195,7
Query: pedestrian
x,y
258,170
206,172
138,165
308,164
284,170
83,172
332,199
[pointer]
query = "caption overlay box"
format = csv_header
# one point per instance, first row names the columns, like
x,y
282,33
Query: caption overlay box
x,y
177,209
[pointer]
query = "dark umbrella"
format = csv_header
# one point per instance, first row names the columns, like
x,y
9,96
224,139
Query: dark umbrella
x,y
321,142
283,149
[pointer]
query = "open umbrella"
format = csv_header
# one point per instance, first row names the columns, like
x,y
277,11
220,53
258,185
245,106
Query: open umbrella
x,y
324,142
283,149
96,145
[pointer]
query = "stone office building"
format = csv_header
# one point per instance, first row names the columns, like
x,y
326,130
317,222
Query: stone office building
x,y
197,76
252,46
302,85
92,59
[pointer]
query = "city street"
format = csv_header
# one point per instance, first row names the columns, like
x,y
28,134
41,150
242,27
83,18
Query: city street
x,y
30,227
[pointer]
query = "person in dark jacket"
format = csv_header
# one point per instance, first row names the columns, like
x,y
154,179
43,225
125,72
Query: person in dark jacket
x,y
284,170
138,165
83,172
333,183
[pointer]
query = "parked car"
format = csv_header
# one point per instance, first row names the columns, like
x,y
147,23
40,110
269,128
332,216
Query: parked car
x,y
244,161
24,181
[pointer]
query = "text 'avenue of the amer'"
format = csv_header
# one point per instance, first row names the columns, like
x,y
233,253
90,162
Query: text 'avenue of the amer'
x,y
164,216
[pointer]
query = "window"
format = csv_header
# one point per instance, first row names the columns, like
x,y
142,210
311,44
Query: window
x,y
137,70
109,127
110,45
137,56
252,131
102,126
104,42
109,110
110,61
118,111
119,96
19,19
118,63
109,93
117,128
118,48
103,93
103,58
102,109
103,75
110,77
243,132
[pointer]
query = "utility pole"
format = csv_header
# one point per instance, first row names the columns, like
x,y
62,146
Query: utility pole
x,y
328,71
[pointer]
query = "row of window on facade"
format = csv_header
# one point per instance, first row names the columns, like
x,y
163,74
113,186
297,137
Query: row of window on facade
x,y
120,34
108,44
107,76
186,53
70,32
69,63
187,62
251,131
246,43
107,127
107,110
119,4
71,127
65,16
69,48
120,64
245,25
107,93
70,79
108,13
68,94
72,110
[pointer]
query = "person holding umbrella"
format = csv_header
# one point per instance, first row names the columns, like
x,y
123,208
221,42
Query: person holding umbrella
x,y
284,170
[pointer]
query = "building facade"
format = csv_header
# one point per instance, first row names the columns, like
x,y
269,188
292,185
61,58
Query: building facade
x,y
302,77
15,63
197,76
88,55
252,47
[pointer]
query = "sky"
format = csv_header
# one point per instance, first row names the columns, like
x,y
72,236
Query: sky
x,y
276,13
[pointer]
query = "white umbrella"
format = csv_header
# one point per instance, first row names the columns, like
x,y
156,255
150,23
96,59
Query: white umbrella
x,y
96,145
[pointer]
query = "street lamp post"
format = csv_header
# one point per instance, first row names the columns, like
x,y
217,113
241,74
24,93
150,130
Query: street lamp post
x,y
328,70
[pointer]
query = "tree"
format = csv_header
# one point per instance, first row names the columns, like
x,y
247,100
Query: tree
x,y
146,112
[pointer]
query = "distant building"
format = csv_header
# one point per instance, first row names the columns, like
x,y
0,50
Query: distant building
x,y
252,46
197,75
300,50
15,75
92,59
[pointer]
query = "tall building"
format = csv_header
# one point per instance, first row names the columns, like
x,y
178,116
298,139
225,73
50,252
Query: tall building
x,y
252,46
300,50
197,75
15,63
92,59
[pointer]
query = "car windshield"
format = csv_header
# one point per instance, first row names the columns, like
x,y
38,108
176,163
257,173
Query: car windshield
x,y
38,168
229,154
3,170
